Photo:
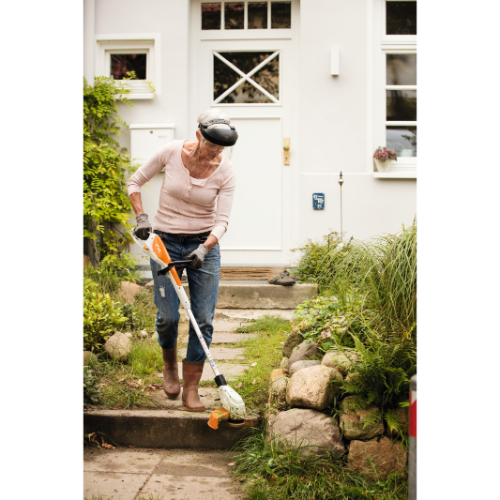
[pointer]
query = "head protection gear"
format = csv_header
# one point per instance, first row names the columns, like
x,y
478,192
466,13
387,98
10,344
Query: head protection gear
x,y
220,136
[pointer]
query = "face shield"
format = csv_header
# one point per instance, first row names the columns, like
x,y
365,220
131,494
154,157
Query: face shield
x,y
223,136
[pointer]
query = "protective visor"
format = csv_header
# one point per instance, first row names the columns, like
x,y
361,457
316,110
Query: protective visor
x,y
219,136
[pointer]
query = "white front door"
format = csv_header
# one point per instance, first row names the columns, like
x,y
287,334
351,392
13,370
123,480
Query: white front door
x,y
249,74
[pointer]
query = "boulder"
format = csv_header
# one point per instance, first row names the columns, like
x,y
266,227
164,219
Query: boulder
x,y
315,431
387,456
313,387
128,290
294,339
342,361
284,364
299,365
277,393
87,261
402,415
87,356
118,346
305,350
352,422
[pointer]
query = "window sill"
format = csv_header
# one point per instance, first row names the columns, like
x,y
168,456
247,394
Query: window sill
x,y
135,96
395,174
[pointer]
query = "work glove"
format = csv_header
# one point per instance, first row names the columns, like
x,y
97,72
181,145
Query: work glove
x,y
143,227
199,256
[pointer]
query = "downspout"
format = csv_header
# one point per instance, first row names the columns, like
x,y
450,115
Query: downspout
x,y
89,40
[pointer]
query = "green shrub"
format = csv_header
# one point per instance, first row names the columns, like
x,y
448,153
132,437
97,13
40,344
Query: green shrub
x,y
106,206
101,318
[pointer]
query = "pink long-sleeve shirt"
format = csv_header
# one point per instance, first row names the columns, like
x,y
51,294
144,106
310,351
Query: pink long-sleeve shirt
x,y
185,207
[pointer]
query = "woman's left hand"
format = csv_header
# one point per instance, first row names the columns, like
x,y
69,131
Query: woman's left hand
x,y
199,256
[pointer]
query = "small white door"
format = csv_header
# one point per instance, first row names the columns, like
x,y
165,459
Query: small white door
x,y
249,74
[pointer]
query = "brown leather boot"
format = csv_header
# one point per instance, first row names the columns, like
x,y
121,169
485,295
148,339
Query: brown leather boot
x,y
171,384
191,375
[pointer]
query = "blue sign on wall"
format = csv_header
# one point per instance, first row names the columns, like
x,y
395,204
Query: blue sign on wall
x,y
318,201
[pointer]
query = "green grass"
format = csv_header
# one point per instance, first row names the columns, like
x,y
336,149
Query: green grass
x,y
278,472
265,350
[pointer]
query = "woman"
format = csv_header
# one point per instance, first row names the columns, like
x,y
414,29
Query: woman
x,y
195,202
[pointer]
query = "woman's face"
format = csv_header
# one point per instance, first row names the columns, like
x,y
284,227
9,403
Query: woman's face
x,y
209,148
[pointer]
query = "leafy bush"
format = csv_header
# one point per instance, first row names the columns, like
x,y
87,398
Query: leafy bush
x,y
101,318
106,206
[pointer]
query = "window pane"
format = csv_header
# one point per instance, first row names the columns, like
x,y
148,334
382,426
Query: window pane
x,y
269,77
224,77
246,61
210,16
257,16
281,15
123,63
402,105
403,139
401,18
401,69
234,16
246,93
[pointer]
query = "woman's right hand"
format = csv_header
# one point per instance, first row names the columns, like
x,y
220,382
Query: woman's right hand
x,y
143,226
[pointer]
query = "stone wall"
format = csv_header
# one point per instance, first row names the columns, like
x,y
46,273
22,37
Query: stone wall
x,y
301,396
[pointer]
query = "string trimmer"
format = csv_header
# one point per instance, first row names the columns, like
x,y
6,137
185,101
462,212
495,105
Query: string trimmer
x,y
154,248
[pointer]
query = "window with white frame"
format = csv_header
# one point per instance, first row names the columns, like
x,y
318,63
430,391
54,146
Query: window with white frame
x,y
119,55
396,81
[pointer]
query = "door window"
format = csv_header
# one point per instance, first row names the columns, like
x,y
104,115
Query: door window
x,y
246,77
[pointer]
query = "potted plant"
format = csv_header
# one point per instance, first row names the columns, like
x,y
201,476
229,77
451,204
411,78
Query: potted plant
x,y
383,158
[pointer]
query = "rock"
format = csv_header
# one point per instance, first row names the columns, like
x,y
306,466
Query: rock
x,y
143,333
277,393
128,334
118,346
352,422
317,432
306,350
342,361
294,339
313,387
87,356
305,363
150,285
387,457
87,261
284,364
128,290
276,374
155,336
402,416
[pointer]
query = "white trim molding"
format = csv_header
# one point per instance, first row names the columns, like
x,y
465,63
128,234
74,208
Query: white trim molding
x,y
142,43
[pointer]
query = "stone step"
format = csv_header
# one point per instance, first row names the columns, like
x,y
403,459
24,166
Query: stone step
x,y
261,295
229,370
209,397
226,338
251,314
221,352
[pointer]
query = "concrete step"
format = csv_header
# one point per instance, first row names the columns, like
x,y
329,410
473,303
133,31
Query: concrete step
x,y
251,314
229,370
261,295
162,429
221,352
226,338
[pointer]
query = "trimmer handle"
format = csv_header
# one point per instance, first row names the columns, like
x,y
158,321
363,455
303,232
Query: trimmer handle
x,y
177,264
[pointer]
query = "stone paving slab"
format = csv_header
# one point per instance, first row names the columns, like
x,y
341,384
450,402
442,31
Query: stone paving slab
x,y
209,397
249,314
128,474
226,338
221,352
230,371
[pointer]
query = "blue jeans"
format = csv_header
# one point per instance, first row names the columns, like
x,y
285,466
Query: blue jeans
x,y
203,288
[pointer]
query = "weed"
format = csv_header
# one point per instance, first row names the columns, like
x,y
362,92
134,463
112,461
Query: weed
x,y
279,471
